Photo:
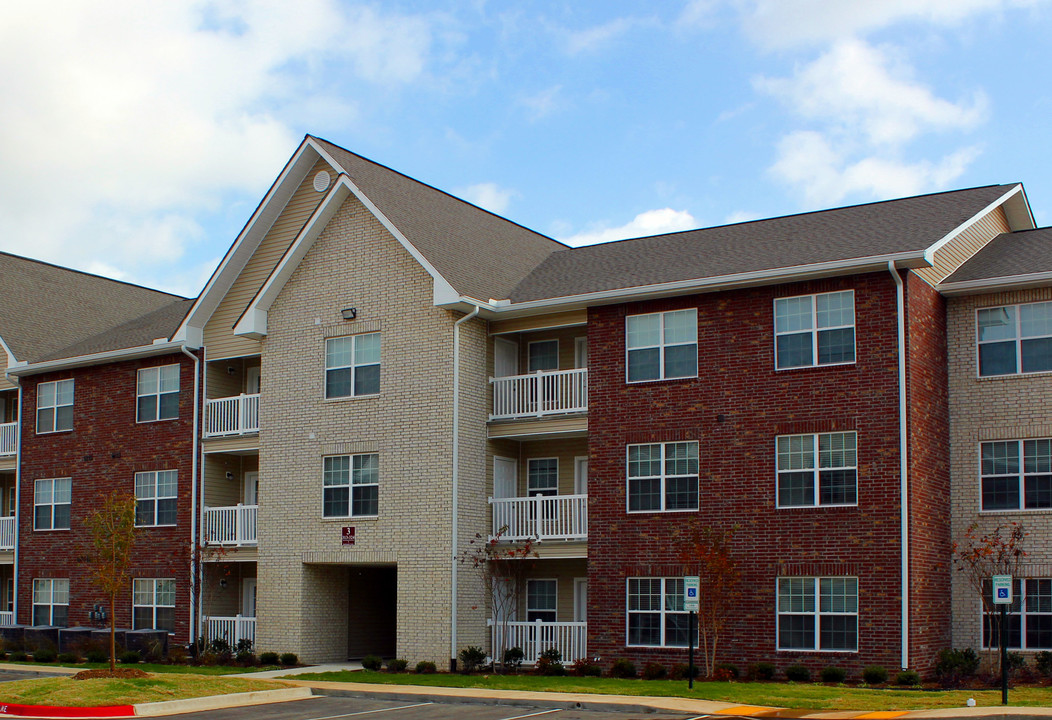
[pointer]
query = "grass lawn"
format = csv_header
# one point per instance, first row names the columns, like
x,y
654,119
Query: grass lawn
x,y
152,667
169,686
793,695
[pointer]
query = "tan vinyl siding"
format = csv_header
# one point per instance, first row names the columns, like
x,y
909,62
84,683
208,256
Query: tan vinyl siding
x,y
539,322
239,443
564,572
565,451
218,334
220,491
954,253
222,382
520,428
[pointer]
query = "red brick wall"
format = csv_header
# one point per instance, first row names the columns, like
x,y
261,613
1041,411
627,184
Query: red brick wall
x,y
104,451
929,472
735,409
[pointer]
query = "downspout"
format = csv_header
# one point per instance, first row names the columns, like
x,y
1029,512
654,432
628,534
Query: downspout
x,y
904,538
194,575
456,484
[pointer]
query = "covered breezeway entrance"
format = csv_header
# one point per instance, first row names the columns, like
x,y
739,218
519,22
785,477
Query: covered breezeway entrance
x,y
372,605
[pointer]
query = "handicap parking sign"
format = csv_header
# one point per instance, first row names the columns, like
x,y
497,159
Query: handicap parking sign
x,y
1002,586
690,593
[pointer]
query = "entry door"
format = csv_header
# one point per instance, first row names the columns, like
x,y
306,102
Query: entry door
x,y
252,380
505,357
248,597
251,483
580,475
580,600
580,352
505,485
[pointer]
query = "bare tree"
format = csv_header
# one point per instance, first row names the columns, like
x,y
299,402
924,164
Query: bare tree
x,y
709,555
980,556
112,529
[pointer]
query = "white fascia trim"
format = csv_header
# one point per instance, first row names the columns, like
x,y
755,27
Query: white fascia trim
x,y
109,356
721,282
929,254
248,239
1009,282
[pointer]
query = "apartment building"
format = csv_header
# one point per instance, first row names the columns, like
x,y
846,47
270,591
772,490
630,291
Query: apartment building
x,y
386,372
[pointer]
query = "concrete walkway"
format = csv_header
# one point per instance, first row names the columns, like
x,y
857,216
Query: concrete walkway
x,y
292,672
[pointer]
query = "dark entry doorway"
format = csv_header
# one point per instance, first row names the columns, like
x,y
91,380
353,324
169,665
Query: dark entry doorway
x,y
372,601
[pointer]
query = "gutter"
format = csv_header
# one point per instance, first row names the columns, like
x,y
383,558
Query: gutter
x,y
456,485
193,489
904,537
142,351
1007,282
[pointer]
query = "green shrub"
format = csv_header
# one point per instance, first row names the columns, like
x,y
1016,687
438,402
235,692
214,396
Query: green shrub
x,y
680,671
513,658
398,665
1016,661
372,662
97,656
623,668
730,670
425,667
247,659
955,666
44,655
18,656
548,666
582,667
874,675
269,658
288,659
1043,663
69,658
552,654
761,671
130,657
832,674
471,659
654,671
177,655
908,677
797,673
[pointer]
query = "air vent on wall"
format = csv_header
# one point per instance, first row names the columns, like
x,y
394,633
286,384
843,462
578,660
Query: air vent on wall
x,y
321,181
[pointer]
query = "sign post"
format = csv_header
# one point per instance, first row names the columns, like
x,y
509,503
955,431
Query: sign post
x,y
690,604
1002,597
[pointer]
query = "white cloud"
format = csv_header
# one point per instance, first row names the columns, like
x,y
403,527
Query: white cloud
x,y
651,222
490,196
741,216
594,38
543,103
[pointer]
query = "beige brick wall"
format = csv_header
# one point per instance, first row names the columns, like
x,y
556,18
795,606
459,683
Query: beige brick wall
x,y
302,565
1001,408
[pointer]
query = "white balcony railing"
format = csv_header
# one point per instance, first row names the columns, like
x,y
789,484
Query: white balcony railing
x,y
7,618
230,525
232,416
569,638
8,438
539,394
232,629
7,533
552,517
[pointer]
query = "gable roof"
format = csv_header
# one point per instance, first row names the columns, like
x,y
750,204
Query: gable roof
x,y
1016,259
900,230
46,308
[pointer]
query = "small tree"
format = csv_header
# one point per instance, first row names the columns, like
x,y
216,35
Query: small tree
x,y
112,530
502,570
718,586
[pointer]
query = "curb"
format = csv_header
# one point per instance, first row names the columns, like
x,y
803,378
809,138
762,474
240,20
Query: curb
x,y
157,709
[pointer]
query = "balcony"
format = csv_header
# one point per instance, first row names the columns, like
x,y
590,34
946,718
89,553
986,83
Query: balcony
x,y
230,526
7,533
569,638
540,394
225,417
7,618
8,438
552,517
232,629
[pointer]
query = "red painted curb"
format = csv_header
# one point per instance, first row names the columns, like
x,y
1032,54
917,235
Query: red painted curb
x,y
48,711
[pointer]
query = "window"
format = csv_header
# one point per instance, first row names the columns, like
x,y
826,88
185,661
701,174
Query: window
x,y
352,366
662,346
543,355
663,477
153,604
542,475
351,486
52,500
51,602
542,599
832,480
814,330
155,497
818,613
157,394
1015,339
1008,484
655,613
55,406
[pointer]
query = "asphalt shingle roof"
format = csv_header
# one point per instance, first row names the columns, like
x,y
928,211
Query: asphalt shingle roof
x,y
1007,255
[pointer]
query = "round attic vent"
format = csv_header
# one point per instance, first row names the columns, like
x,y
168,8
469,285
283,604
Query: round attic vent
x,y
321,181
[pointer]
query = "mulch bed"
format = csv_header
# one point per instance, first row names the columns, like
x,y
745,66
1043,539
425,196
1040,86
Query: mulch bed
x,y
107,673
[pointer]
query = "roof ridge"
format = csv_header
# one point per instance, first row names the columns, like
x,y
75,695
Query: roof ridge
x,y
91,275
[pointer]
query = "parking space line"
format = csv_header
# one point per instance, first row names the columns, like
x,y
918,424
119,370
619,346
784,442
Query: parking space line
x,y
370,712
542,712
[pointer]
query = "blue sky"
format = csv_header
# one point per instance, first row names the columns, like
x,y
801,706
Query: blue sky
x,y
137,138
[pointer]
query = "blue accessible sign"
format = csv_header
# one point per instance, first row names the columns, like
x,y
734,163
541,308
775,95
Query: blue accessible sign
x,y
1002,592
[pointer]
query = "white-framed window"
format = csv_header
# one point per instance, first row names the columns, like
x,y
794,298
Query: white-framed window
x,y
1014,339
1016,474
156,497
662,346
542,476
51,601
157,393
655,613
542,355
818,613
542,600
54,406
153,604
351,486
1028,625
663,477
812,330
818,469
52,502
352,365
